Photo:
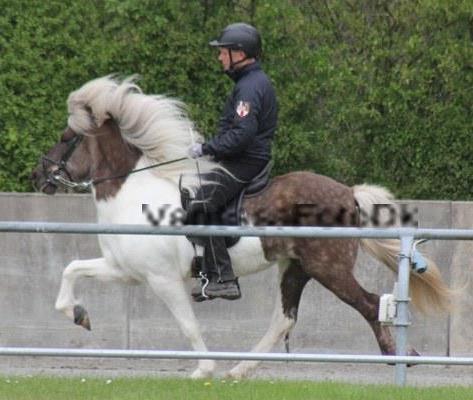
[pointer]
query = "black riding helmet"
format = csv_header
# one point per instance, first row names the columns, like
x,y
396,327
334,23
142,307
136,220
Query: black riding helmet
x,y
240,36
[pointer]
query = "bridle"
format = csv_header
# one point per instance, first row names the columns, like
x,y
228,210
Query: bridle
x,y
56,177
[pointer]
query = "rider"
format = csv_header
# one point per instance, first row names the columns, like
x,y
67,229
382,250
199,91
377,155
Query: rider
x,y
242,146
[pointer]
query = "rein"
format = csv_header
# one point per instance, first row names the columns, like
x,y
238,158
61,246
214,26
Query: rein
x,y
87,184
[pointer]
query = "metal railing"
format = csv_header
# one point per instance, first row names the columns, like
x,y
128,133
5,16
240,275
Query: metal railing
x,y
401,322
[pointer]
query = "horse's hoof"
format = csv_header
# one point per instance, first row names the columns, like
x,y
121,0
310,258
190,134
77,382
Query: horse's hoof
x,y
204,370
236,374
411,353
201,374
81,317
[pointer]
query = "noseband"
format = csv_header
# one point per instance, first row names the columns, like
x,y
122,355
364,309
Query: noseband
x,y
56,176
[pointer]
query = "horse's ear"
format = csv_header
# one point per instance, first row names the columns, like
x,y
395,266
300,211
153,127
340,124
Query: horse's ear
x,y
88,109
97,118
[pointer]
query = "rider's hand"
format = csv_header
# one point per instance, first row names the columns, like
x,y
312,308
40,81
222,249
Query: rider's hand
x,y
195,151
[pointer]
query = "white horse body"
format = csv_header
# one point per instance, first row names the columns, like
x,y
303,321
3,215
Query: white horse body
x,y
146,254
163,261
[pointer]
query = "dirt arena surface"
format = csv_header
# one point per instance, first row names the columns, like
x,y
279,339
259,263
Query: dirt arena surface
x,y
421,375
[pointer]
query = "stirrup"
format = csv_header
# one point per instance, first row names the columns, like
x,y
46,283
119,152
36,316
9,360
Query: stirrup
x,y
204,281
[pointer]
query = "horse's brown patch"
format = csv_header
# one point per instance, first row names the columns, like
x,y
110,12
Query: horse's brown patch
x,y
102,155
306,199
112,157
329,261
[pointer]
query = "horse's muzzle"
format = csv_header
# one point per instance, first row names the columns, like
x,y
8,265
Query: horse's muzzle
x,y
41,183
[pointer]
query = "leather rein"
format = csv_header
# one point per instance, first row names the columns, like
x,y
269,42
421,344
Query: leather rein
x,y
57,176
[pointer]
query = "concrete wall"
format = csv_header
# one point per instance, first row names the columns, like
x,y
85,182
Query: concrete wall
x,y
132,317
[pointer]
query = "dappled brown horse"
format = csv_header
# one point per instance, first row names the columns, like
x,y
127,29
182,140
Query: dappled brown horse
x,y
115,132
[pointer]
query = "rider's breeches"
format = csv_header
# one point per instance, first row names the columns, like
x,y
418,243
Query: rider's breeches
x,y
218,190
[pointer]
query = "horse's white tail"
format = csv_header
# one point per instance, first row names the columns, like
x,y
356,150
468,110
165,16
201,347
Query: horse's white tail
x,y
428,291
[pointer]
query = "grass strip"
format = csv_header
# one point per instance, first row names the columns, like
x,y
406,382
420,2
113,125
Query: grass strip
x,y
39,388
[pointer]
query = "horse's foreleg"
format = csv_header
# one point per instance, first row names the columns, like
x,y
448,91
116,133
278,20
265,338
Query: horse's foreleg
x,y
292,282
174,294
66,301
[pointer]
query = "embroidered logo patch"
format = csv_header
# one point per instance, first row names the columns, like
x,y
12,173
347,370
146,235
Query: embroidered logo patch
x,y
243,109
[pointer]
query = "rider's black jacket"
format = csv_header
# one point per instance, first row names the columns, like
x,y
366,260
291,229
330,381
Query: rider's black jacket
x,y
248,121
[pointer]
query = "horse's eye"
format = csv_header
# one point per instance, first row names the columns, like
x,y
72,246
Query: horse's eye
x,y
67,136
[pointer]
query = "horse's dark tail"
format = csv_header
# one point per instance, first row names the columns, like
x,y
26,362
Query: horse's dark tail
x,y
428,291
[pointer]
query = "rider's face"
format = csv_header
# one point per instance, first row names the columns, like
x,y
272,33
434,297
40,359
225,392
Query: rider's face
x,y
224,57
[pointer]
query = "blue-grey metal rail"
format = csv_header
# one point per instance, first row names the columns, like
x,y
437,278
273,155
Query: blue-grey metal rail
x,y
234,356
218,230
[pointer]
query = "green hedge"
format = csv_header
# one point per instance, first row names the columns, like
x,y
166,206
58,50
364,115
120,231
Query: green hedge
x,y
377,92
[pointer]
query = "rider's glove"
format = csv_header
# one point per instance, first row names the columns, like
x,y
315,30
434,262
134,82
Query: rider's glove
x,y
195,151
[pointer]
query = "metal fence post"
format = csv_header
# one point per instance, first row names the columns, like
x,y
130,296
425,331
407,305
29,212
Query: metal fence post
x,y
402,298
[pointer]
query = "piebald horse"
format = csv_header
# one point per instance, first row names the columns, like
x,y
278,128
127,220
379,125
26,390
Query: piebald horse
x,y
114,130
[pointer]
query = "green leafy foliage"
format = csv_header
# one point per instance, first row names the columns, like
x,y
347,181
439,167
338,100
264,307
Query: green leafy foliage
x,y
377,92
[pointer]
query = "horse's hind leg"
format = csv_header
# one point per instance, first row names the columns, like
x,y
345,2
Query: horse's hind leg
x,y
292,283
174,294
339,279
94,268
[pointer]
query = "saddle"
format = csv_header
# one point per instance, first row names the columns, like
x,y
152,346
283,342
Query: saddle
x,y
232,213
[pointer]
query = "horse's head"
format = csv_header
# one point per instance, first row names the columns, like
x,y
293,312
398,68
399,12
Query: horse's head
x,y
67,162
111,125
78,159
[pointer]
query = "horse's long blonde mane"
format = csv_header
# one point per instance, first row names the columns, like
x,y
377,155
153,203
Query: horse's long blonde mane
x,y
158,125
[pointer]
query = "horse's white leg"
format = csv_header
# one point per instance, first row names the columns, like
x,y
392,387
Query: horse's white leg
x,y
174,294
94,268
292,281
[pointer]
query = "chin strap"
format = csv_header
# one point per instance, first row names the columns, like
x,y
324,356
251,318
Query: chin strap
x,y
231,70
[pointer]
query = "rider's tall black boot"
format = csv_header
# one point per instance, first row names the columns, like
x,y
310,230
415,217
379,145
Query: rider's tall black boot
x,y
217,268
222,282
